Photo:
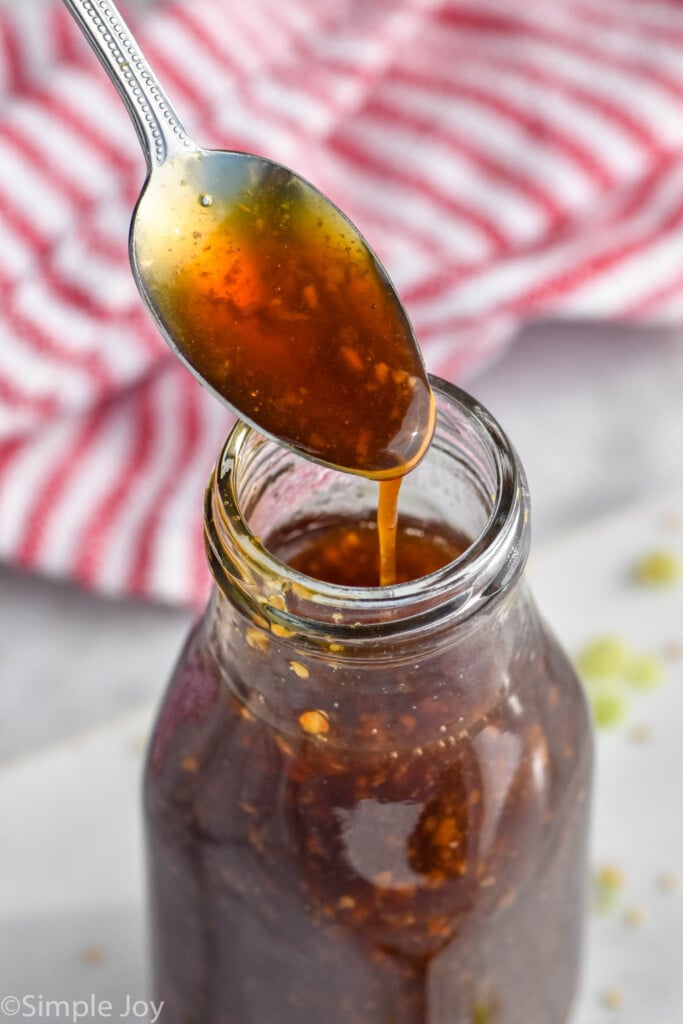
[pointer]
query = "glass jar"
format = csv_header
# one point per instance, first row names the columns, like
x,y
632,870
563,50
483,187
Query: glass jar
x,y
369,806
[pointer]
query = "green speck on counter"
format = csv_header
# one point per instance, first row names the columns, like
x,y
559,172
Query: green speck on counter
x,y
644,672
658,568
483,1014
603,658
608,702
608,883
610,669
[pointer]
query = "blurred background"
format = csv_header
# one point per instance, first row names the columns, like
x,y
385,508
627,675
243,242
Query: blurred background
x,y
518,168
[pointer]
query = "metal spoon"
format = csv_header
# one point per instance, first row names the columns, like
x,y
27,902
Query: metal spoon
x,y
264,289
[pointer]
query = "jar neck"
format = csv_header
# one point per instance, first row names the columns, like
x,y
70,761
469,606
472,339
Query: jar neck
x,y
376,696
471,479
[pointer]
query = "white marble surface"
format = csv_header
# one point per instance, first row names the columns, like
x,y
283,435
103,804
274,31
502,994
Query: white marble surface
x,y
583,581
70,660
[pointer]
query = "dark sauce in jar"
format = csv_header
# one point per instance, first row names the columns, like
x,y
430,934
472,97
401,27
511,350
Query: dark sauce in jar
x,y
398,845
346,553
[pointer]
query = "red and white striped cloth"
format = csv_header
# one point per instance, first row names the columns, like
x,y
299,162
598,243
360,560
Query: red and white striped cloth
x,y
507,160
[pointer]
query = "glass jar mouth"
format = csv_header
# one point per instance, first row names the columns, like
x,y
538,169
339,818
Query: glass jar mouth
x,y
496,556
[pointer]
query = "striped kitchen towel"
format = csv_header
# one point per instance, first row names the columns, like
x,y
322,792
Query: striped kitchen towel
x,y
507,161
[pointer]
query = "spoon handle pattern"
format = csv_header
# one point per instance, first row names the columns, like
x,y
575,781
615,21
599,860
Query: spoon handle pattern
x,y
158,127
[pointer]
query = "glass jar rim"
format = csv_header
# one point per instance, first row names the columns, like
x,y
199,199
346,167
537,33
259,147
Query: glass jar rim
x,y
490,563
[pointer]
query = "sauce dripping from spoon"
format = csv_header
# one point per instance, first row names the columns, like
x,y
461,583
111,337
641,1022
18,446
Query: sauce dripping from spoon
x,y
273,298
266,291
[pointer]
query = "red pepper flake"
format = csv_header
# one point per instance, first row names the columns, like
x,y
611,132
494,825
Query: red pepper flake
x,y
315,723
667,882
634,916
612,999
92,955
351,358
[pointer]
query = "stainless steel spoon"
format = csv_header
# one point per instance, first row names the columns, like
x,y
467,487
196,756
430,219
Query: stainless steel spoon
x,y
263,288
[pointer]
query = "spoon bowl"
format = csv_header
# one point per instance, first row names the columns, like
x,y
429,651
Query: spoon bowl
x,y
264,289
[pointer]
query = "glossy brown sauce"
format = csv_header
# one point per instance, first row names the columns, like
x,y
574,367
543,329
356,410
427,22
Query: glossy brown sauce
x,y
270,293
355,840
347,552
387,527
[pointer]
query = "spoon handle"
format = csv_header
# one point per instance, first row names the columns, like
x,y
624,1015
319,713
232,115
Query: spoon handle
x,y
159,128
